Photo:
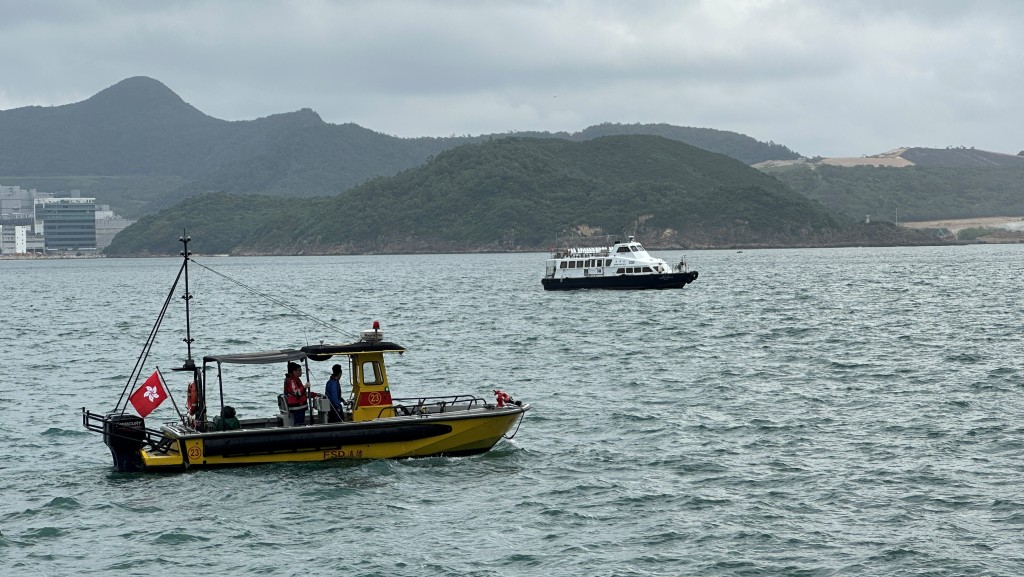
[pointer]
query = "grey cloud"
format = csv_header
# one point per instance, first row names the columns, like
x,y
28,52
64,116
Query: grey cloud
x,y
830,78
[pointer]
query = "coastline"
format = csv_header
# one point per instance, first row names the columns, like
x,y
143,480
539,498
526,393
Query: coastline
x,y
38,256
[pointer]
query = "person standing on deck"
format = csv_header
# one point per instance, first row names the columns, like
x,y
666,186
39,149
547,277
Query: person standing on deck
x,y
295,393
333,392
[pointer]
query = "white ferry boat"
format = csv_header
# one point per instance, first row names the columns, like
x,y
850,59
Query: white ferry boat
x,y
623,265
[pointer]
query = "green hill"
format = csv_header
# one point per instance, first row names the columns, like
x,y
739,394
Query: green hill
x,y
518,194
738,146
912,192
139,147
140,131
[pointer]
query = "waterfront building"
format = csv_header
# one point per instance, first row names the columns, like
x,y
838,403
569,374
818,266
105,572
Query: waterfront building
x,y
19,239
17,235
67,223
15,203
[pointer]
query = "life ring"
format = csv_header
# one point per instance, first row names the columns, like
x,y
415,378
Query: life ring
x,y
192,402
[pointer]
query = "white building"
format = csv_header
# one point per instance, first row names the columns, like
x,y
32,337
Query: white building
x,y
19,239
16,202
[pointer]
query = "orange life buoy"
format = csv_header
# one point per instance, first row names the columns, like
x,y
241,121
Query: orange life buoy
x,y
193,397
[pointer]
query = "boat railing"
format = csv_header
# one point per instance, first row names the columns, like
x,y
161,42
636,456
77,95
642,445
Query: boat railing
x,y
583,246
582,252
433,405
126,431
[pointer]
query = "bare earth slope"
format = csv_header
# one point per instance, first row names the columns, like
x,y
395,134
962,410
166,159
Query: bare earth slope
x,y
956,225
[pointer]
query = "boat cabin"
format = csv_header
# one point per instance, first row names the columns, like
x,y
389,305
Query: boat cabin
x,y
370,393
622,258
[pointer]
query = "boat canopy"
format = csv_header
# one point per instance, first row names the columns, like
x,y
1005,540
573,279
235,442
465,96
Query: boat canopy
x,y
261,358
324,352
311,352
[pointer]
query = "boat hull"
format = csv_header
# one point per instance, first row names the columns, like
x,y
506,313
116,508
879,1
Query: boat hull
x,y
622,282
473,432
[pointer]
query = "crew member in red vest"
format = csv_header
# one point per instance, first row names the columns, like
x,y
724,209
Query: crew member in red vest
x,y
295,393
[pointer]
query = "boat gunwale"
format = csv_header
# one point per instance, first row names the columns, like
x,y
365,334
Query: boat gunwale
x,y
172,427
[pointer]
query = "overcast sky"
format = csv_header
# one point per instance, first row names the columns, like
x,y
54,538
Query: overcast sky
x,y
830,78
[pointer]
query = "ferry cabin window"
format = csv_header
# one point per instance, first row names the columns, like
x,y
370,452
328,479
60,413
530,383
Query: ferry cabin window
x,y
371,373
623,249
563,264
607,262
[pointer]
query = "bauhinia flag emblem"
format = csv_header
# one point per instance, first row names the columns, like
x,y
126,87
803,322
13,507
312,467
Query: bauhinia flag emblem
x,y
150,395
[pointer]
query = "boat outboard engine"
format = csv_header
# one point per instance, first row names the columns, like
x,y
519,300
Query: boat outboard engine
x,y
125,435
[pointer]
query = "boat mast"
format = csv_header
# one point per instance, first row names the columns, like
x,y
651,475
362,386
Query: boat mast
x,y
190,364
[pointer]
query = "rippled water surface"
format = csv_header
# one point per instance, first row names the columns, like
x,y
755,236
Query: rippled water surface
x,y
793,412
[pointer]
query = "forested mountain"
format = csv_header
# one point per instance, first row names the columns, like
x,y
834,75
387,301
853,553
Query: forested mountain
x,y
140,129
912,192
519,194
139,147
738,146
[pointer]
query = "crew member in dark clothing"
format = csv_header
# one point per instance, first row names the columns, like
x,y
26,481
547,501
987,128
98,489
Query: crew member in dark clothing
x,y
333,392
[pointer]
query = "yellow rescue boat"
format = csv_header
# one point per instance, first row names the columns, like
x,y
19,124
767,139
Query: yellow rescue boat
x,y
370,424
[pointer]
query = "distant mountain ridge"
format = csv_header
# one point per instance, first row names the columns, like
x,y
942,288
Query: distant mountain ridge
x,y
140,128
911,183
137,126
961,157
950,157
518,194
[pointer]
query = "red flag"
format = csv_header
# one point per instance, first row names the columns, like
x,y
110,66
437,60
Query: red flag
x,y
150,395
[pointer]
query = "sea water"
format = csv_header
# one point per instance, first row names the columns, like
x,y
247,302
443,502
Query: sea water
x,y
793,412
